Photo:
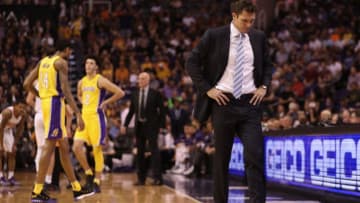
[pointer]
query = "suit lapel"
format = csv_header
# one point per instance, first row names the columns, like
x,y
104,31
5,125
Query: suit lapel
x,y
251,36
226,44
137,98
148,98
253,43
224,50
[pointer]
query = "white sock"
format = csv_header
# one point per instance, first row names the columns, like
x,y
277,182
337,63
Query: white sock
x,y
1,174
48,179
11,174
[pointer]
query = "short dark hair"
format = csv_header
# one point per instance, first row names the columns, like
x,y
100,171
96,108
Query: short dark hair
x,y
240,5
62,44
93,57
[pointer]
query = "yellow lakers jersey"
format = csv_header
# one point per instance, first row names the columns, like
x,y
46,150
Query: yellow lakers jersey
x,y
48,78
92,95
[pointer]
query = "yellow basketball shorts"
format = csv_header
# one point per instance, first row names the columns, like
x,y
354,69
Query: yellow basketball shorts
x,y
95,129
53,110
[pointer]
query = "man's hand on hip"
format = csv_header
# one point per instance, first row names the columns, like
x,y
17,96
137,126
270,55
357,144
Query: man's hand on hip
x,y
218,96
259,95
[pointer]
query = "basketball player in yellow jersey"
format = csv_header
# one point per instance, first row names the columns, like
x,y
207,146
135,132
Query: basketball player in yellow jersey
x,y
49,72
91,92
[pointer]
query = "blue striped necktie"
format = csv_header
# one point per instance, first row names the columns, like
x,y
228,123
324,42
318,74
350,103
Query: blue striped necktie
x,y
239,66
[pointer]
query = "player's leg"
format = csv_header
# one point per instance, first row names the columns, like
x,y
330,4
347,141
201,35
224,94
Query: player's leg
x,y
49,175
5,148
40,137
80,153
50,168
64,150
2,153
97,140
11,167
78,191
43,166
40,141
99,166
52,110
79,149
66,162
9,142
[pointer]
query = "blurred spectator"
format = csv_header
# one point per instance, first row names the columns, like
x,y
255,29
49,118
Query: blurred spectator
x,y
273,124
166,147
107,69
355,117
14,94
184,147
121,73
178,117
301,120
325,118
286,122
204,150
344,117
109,153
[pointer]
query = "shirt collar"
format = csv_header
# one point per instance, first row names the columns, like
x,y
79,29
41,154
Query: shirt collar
x,y
234,32
146,89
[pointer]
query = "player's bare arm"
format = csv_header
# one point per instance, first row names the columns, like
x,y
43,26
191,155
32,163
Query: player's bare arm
x,y
79,91
30,99
62,67
111,87
6,115
29,80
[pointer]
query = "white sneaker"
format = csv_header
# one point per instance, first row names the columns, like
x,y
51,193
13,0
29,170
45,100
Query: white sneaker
x,y
188,170
172,169
180,169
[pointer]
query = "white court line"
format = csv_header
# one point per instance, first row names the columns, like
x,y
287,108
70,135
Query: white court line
x,y
238,188
271,198
291,201
206,198
239,198
182,194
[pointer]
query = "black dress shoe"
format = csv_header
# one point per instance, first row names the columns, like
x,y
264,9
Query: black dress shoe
x,y
157,182
139,183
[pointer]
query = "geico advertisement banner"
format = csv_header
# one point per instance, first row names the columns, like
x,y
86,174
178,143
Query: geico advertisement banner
x,y
326,162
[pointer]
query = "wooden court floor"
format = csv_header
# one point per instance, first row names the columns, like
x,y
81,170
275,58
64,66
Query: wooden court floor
x,y
116,188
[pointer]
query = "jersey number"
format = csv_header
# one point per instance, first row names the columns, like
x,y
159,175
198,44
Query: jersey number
x,y
87,99
44,80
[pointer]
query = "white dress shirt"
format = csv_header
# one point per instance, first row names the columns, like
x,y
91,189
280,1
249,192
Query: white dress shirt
x,y
146,92
226,83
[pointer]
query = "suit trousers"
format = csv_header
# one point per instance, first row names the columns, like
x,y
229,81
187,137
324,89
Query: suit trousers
x,y
147,141
243,119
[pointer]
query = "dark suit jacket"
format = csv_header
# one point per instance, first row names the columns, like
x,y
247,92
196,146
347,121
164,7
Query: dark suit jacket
x,y
154,110
207,62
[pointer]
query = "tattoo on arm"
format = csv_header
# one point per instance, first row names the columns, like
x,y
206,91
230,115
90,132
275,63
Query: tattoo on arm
x,y
62,67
